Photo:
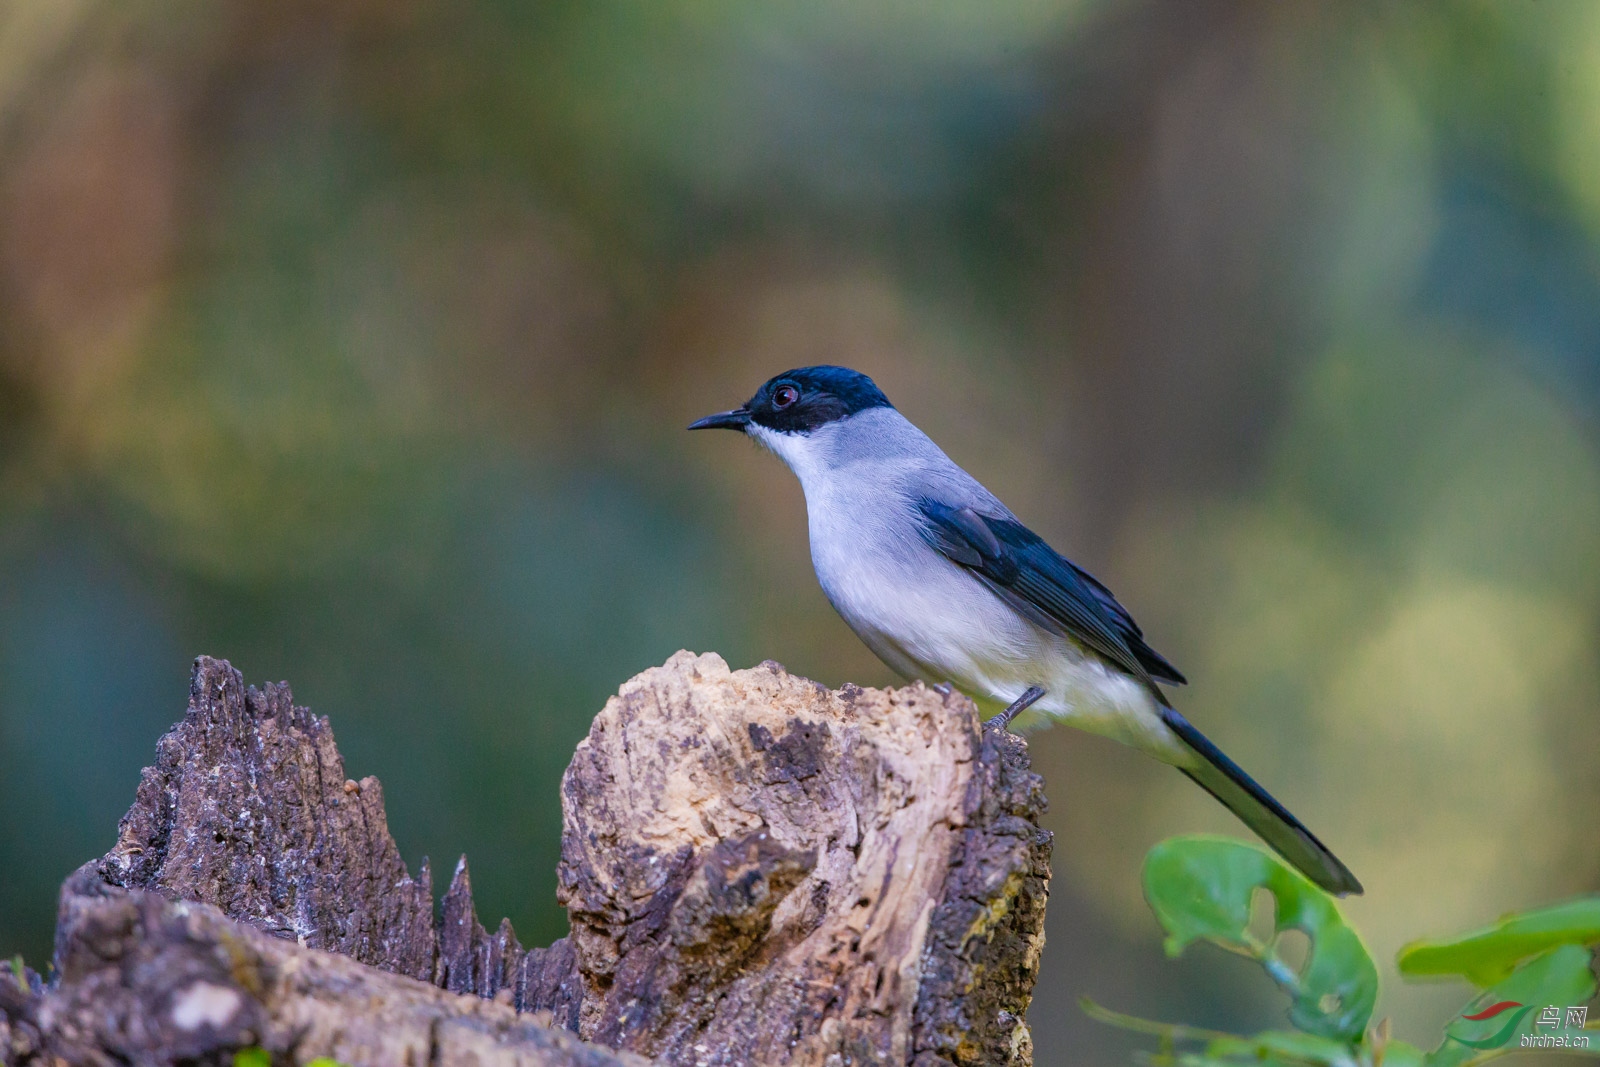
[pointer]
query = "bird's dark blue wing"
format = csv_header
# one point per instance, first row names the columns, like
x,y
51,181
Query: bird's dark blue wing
x,y
1044,585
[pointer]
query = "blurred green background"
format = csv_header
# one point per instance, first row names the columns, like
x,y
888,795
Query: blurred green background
x,y
353,340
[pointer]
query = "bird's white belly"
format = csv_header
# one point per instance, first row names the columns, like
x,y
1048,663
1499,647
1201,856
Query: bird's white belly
x,y
928,618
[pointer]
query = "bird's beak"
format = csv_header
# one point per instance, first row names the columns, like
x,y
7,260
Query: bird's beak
x,y
737,419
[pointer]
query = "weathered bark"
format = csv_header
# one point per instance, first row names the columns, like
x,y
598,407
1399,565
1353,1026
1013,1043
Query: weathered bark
x,y
144,979
757,870
248,808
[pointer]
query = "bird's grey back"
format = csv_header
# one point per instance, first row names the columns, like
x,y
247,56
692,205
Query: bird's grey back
x,y
880,451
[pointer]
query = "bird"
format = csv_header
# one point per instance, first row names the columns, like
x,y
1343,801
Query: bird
x,y
944,584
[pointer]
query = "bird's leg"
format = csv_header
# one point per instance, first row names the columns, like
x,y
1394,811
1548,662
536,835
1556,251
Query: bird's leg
x,y
943,689
1018,706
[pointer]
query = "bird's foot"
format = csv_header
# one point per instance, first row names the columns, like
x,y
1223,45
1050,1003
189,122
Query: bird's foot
x,y
1018,706
943,689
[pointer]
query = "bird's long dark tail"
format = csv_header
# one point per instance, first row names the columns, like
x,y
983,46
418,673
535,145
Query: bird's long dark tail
x,y
1255,807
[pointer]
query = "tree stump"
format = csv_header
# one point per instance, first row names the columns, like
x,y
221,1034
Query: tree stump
x,y
757,871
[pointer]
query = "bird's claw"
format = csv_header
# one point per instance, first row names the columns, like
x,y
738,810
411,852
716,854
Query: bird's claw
x,y
943,689
1002,721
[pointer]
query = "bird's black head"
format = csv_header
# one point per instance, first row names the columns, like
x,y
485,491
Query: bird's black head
x,y
799,401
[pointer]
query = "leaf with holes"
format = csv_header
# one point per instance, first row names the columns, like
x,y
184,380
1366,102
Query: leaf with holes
x,y
1201,887
1498,1016
1488,954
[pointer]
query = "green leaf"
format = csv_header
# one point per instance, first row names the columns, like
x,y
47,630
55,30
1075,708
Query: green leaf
x,y
1285,1046
1273,1046
256,1056
1201,887
1487,955
1560,978
1402,1054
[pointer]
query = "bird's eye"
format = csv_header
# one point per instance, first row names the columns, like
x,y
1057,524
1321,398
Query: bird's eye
x,y
784,395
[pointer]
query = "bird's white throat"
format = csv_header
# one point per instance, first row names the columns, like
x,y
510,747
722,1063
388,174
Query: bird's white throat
x,y
806,454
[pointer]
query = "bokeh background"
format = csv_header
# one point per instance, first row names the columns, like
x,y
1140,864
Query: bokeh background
x,y
353,340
